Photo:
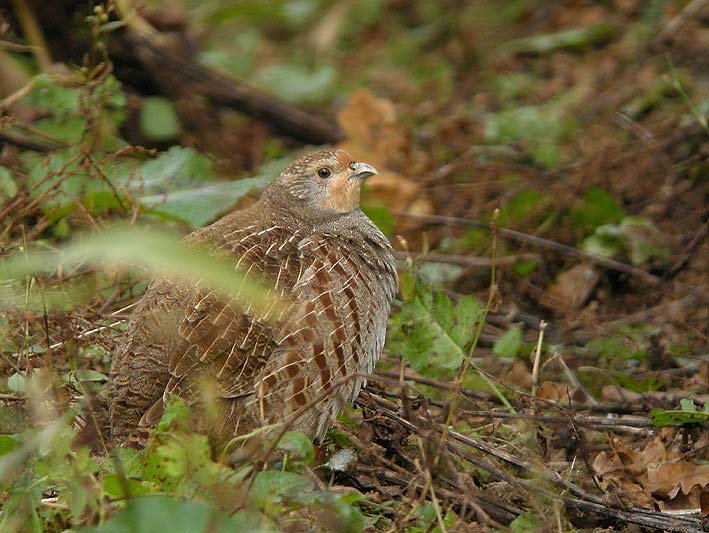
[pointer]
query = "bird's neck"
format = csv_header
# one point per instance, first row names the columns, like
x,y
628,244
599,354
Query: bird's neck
x,y
283,209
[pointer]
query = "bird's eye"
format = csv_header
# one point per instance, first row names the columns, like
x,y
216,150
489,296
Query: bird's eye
x,y
324,172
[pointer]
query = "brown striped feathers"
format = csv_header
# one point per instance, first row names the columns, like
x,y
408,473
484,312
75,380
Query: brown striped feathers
x,y
300,363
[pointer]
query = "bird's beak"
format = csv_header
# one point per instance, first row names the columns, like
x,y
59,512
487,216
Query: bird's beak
x,y
363,170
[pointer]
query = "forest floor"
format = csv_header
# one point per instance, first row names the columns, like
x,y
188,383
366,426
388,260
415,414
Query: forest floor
x,y
544,180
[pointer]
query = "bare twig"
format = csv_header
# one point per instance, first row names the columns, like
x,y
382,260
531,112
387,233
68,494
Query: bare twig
x,y
572,377
680,20
537,354
475,395
584,500
24,142
689,250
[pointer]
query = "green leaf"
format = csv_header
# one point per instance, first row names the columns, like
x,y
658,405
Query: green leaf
x,y
148,514
69,129
86,374
158,119
382,218
176,168
297,446
7,444
201,205
644,241
687,406
635,238
437,274
526,523
56,173
272,488
431,333
520,206
125,460
602,245
17,383
509,344
8,187
46,95
116,487
661,418
623,345
540,129
524,268
181,183
571,39
598,208
176,415
296,83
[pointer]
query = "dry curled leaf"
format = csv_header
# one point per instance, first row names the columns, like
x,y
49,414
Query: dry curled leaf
x,y
654,475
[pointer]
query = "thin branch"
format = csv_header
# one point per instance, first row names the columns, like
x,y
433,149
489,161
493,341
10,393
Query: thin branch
x,y
698,296
689,250
480,262
540,242
680,20
585,501
33,33
176,73
24,142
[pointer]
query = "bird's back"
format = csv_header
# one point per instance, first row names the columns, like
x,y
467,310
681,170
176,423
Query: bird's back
x,y
305,357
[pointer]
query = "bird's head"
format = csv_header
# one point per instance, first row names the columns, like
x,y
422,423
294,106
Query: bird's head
x,y
326,182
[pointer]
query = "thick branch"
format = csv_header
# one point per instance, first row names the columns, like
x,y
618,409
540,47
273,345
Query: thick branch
x,y
175,72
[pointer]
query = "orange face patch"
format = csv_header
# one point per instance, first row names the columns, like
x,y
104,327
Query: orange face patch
x,y
343,193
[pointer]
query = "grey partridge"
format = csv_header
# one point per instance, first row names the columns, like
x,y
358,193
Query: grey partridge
x,y
307,237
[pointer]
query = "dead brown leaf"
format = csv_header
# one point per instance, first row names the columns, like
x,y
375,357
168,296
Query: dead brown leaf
x,y
375,135
519,375
556,392
665,480
571,288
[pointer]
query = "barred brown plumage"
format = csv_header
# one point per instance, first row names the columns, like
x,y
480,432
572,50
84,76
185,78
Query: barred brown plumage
x,y
333,267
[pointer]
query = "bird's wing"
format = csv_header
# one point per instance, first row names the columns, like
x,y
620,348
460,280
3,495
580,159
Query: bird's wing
x,y
223,343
